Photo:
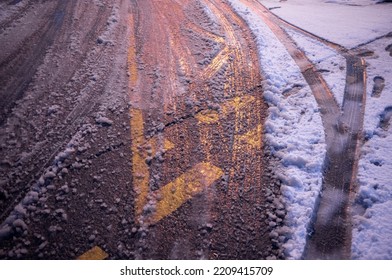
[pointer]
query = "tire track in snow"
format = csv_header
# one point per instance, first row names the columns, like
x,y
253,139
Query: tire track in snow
x,y
330,229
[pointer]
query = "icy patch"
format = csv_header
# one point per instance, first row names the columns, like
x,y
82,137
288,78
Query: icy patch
x,y
294,129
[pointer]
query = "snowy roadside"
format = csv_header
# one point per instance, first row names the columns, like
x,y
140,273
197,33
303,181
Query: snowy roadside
x,y
340,22
294,131
372,233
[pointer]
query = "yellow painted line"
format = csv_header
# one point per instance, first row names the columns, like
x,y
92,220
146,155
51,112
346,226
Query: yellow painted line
x,y
234,105
167,145
207,116
137,128
170,197
132,63
206,33
238,103
95,253
140,170
141,149
252,138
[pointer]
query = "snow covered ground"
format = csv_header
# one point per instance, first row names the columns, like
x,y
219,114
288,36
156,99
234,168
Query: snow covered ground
x,y
353,23
372,235
328,61
339,21
294,129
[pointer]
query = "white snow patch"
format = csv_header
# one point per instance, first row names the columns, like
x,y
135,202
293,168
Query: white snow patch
x,y
327,60
337,21
372,233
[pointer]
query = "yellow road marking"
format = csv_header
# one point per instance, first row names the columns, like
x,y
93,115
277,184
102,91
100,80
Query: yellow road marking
x,y
132,55
251,138
198,29
216,64
174,194
140,168
95,253
207,116
238,103
141,149
234,105
167,145
170,197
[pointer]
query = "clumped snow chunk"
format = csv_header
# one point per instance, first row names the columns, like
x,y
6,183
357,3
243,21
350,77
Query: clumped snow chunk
x,y
5,232
19,224
52,110
104,121
14,222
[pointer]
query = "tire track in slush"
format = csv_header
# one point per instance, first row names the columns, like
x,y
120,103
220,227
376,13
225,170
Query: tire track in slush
x,y
197,141
73,119
21,77
15,90
330,228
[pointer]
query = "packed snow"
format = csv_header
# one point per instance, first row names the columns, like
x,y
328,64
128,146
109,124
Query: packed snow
x,y
294,130
339,21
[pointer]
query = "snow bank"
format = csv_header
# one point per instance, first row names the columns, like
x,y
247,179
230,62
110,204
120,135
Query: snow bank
x,y
294,130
